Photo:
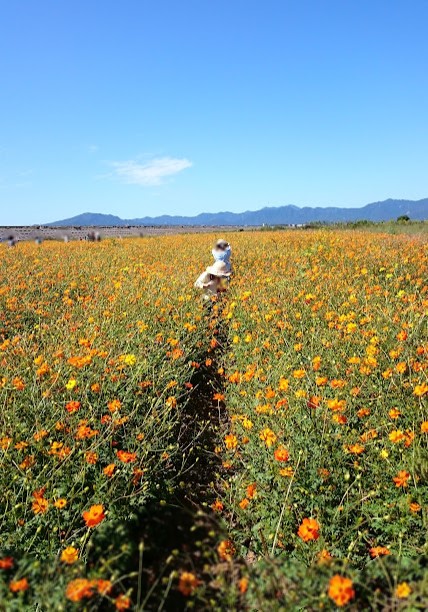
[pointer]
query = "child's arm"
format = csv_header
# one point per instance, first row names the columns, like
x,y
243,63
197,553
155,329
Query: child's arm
x,y
201,282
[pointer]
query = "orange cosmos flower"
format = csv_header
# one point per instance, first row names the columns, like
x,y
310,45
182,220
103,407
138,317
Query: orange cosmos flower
x,y
401,478
363,412
217,506
103,586
244,503
40,505
231,441
299,373
91,457
72,406
340,590
126,456
314,402
403,590
251,490
114,405
424,427
122,602
396,436
355,449
94,515
60,503
187,583
79,589
69,555
6,563
109,470
243,585
324,557
281,454
336,405
414,507
19,585
420,390
379,551
283,384
309,530
226,550
268,437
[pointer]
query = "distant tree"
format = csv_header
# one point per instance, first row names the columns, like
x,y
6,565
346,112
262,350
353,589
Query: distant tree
x,y
403,218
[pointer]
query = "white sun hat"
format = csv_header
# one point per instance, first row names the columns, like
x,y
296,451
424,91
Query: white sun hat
x,y
219,268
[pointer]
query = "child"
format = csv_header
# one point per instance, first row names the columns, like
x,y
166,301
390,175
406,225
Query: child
x,y
222,252
210,281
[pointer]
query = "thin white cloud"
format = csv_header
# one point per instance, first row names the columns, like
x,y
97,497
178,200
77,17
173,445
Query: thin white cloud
x,y
151,173
93,148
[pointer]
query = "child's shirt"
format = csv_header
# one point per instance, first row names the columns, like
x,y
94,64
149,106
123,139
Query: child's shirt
x,y
220,255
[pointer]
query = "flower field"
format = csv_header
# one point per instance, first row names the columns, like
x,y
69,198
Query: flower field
x,y
271,451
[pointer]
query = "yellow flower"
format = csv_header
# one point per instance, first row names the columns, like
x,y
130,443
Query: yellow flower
x,y
268,437
69,555
403,590
71,384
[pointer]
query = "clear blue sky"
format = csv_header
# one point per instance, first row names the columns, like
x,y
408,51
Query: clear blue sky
x,y
138,107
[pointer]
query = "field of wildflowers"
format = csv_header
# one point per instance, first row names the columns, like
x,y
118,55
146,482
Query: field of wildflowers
x,y
307,383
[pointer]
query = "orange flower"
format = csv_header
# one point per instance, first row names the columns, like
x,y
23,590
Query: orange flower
x,y
396,436
251,490
324,557
355,449
6,563
424,427
244,503
281,454
268,437
122,602
336,405
91,457
187,583
243,585
401,478
79,589
94,515
403,590
379,551
60,503
217,506
19,585
103,586
72,406
109,470
226,550
340,590
40,505
314,402
299,373
126,456
414,507
69,555
421,390
114,405
231,441
309,530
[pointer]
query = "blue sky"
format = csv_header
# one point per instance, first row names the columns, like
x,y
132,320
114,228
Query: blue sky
x,y
143,108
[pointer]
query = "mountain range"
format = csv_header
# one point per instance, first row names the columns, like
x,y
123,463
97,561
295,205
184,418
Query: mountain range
x,y
280,215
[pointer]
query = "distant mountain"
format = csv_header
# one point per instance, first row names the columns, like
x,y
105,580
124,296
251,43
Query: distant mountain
x,y
281,215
